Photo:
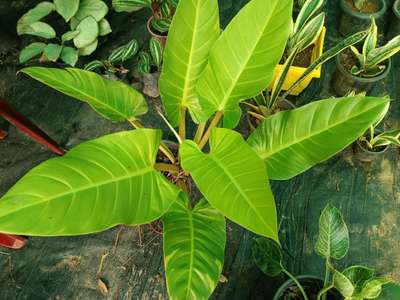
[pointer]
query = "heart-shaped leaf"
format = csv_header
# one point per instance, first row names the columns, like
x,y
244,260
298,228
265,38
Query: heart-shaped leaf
x,y
112,99
31,51
194,245
293,141
234,180
268,257
333,239
67,9
358,275
343,285
242,61
95,186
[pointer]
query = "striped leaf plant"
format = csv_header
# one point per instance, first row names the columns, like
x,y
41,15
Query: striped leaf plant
x,y
119,178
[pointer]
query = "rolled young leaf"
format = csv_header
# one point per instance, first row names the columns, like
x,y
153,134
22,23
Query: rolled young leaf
x,y
194,246
194,30
112,99
243,60
95,186
333,238
293,141
234,180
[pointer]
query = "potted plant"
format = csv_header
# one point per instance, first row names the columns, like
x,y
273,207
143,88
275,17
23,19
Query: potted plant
x,y
358,71
87,23
353,283
356,15
375,142
162,11
123,178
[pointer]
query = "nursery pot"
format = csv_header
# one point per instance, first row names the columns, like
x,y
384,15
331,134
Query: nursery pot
x,y
161,38
312,285
394,28
353,21
345,82
365,155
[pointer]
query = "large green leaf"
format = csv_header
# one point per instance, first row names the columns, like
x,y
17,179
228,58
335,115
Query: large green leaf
x,y
194,245
112,99
95,186
291,142
333,239
194,29
67,9
242,62
234,180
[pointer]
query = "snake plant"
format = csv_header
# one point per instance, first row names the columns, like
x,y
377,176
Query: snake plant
x,y
117,178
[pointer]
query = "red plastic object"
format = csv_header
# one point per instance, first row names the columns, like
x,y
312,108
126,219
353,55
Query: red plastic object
x,y
12,241
3,134
28,127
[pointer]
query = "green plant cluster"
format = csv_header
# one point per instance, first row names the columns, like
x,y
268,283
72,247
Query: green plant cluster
x,y
145,59
353,283
86,19
162,11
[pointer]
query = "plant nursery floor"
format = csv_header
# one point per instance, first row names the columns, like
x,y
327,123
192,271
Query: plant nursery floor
x,y
129,260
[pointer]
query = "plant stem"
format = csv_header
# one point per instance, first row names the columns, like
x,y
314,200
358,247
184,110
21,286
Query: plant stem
x,y
296,282
174,169
170,126
199,132
213,123
322,293
163,148
326,279
182,123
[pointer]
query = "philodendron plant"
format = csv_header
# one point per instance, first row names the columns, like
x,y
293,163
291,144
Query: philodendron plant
x,y
353,283
87,22
117,179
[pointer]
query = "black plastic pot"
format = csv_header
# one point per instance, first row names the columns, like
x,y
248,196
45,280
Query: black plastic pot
x,y
353,21
394,28
306,280
345,82
365,155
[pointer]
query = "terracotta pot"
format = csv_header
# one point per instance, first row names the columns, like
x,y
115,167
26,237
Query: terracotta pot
x,y
161,38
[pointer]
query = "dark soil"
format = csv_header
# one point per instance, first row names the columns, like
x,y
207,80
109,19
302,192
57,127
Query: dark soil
x,y
369,7
303,59
348,59
375,150
293,292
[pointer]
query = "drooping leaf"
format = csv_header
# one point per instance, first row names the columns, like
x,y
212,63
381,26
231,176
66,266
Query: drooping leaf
x,y
112,99
293,141
194,245
358,275
343,285
31,51
130,5
373,288
267,256
234,180
89,49
39,29
333,239
95,186
104,27
194,30
69,35
52,52
67,9
95,8
69,55
35,14
242,61
88,32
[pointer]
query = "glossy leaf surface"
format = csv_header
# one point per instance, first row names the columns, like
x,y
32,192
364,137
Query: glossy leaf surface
x,y
95,8
234,180
194,30
293,141
333,239
194,246
95,186
112,99
88,32
242,62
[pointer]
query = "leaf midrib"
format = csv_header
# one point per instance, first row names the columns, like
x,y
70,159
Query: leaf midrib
x,y
191,232
264,154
